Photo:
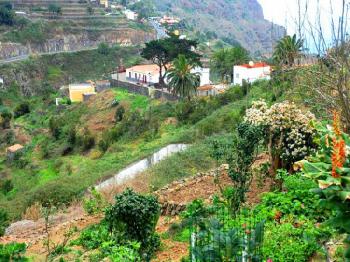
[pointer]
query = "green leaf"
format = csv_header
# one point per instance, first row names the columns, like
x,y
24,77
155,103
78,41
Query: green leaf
x,y
344,195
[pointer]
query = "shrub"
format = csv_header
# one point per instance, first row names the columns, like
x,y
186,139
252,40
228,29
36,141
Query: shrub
x,y
329,168
134,217
22,109
4,221
95,203
87,141
6,186
288,243
54,193
5,118
13,252
103,49
288,131
55,126
8,138
119,114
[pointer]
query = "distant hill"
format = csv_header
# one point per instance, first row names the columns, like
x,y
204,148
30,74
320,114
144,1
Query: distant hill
x,y
234,21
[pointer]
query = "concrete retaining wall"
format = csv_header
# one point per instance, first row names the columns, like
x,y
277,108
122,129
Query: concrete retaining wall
x,y
142,90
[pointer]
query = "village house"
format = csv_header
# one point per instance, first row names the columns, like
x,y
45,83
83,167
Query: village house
x,y
211,90
168,20
77,91
251,72
144,74
149,74
131,15
12,151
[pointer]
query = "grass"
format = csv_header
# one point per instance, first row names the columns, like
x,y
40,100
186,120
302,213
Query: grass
x,y
135,101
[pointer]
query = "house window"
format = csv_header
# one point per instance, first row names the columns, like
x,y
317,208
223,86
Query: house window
x,y
135,75
129,74
237,75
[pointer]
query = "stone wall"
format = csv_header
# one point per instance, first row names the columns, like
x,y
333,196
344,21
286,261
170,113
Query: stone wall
x,y
172,208
143,90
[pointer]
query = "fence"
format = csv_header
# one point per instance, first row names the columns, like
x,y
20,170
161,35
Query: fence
x,y
143,90
222,237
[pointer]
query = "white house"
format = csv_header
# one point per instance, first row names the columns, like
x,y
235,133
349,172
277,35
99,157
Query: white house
x,y
204,75
251,72
131,15
149,74
146,74
211,90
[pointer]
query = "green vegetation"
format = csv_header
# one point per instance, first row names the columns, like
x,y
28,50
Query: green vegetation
x,y
13,252
56,161
127,231
223,60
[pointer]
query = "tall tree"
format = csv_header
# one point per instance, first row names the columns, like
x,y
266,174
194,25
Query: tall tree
x,y
223,60
287,50
163,51
181,80
7,15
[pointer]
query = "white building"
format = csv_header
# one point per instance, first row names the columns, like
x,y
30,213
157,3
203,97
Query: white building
x,y
204,75
149,74
211,90
131,15
145,74
251,72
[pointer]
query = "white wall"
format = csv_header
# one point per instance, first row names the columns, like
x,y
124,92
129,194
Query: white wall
x,y
251,75
204,75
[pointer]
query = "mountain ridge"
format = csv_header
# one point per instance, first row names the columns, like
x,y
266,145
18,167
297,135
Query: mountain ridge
x,y
240,21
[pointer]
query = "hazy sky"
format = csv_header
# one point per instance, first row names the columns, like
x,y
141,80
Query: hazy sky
x,y
285,12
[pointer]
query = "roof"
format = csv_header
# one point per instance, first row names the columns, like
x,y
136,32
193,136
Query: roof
x,y
14,148
80,86
255,65
205,88
152,68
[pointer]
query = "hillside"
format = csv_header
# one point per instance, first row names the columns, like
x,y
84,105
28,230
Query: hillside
x,y
233,21
77,26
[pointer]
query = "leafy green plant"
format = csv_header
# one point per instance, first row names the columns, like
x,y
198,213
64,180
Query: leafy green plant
x,y
95,203
134,217
329,168
22,109
4,221
288,243
13,252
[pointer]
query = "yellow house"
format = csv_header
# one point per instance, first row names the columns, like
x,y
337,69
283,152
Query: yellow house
x,y
104,3
77,91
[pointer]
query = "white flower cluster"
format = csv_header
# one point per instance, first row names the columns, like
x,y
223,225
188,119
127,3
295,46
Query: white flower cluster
x,y
287,120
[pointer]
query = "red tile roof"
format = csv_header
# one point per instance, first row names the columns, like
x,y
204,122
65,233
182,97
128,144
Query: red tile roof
x,y
256,65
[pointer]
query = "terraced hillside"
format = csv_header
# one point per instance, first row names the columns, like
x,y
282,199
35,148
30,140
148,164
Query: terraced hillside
x,y
74,28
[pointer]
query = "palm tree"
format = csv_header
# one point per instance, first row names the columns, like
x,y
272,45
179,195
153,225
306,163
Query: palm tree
x,y
181,80
287,50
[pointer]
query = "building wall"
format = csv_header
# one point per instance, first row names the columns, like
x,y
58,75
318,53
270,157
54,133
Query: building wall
x,y
76,95
142,77
250,74
204,74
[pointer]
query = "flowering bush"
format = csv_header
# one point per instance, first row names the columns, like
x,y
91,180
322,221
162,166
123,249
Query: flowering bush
x,y
288,131
330,168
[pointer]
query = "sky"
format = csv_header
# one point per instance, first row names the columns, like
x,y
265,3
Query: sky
x,y
285,13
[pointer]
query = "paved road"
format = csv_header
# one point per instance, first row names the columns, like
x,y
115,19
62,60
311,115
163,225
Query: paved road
x,y
161,33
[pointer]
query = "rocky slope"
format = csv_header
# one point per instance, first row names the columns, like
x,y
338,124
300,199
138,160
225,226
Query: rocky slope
x,y
62,42
239,21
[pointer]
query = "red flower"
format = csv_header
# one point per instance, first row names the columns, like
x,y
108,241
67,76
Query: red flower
x,y
338,156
